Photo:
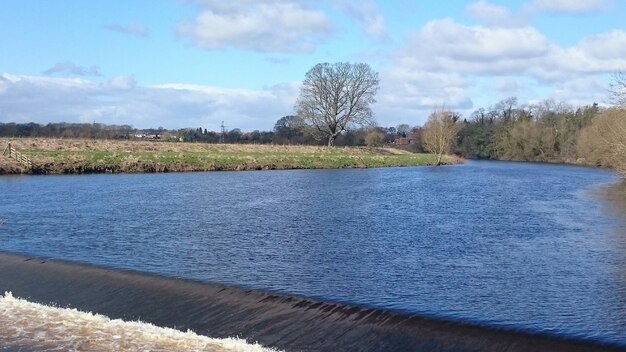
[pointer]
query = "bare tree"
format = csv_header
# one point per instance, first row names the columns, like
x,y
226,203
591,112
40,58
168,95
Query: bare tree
x,y
617,89
335,97
439,132
403,130
506,107
603,143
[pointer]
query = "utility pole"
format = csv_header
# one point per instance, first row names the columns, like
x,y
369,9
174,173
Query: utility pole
x,y
223,133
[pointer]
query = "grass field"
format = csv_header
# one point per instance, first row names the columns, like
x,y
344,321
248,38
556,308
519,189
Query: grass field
x,y
62,156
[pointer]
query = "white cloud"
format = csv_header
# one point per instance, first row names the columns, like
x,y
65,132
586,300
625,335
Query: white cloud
x,y
133,29
611,45
413,89
447,45
122,82
408,95
70,68
367,15
567,6
122,101
449,63
580,91
265,26
492,15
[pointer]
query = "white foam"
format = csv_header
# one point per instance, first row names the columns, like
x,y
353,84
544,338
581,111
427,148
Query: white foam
x,y
24,324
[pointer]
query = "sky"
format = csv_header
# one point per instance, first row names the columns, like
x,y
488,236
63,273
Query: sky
x,y
195,63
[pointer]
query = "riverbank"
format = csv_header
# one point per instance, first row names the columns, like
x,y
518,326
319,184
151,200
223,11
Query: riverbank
x,y
274,320
76,156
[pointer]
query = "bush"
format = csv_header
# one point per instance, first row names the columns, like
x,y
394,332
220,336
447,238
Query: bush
x,y
375,139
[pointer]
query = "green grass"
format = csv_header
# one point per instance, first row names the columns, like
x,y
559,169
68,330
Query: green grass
x,y
89,156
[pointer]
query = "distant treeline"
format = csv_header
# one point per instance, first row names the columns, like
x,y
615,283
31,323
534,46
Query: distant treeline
x,y
546,132
286,131
66,130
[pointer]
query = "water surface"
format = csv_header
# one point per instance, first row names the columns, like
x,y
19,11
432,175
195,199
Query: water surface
x,y
511,244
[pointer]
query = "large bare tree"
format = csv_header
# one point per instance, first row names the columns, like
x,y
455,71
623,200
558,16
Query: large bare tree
x,y
335,97
439,132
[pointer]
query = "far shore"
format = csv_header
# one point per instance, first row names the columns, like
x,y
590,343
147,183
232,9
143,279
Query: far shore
x,y
81,156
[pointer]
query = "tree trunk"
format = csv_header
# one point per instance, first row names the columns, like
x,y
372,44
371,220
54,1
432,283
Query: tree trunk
x,y
331,140
439,157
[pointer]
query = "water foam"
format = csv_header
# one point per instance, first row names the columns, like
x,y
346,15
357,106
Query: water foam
x,y
25,324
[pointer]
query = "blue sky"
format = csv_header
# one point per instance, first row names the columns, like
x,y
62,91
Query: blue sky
x,y
194,63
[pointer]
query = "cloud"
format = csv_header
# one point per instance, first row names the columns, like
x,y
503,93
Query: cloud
x,y
450,46
567,6
122,101
134,29
492,15
580,91
265,26
447,46
610,45
122,82
71,69
412,89
367,15
458,65
408,95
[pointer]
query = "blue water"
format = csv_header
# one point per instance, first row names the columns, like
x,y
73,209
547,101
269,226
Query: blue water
x,y
512,244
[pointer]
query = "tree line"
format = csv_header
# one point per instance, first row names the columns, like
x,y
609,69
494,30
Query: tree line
x,y
545,132
66,130
285,131
333,109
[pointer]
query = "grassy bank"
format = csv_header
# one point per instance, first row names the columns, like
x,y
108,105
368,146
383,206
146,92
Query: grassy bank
x,y
63,156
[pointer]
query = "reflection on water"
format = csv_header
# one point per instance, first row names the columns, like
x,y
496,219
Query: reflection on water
x,y
503,243
614,197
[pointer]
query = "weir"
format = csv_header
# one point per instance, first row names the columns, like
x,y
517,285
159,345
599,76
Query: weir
x,y
280,321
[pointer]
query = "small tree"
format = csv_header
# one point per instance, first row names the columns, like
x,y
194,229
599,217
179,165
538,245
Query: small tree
x,y
375,139
335,97
439,132
287,127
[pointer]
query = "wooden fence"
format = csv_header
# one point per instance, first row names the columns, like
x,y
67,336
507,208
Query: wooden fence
x,y
11,152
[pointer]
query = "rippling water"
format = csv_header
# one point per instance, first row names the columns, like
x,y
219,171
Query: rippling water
x,y
538,247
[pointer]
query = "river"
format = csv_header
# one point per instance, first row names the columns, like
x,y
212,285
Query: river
x,y
530,246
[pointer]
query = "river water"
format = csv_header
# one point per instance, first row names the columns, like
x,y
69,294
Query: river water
x,y
529,246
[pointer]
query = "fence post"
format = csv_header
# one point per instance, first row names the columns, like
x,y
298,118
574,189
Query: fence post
x,y
19,157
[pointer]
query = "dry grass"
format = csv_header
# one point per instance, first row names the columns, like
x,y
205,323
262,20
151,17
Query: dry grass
x,y
108,156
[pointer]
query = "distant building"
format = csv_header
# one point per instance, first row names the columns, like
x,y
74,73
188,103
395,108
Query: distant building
x,y
147,136
405,141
